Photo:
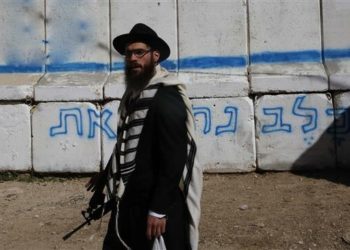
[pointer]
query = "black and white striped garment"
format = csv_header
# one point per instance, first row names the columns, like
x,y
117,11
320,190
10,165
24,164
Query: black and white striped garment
x,y
129,131
121,164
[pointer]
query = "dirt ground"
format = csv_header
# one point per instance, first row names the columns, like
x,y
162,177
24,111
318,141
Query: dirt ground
x,y
239,211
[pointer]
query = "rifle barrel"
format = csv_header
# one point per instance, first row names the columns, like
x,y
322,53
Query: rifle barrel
x,y
68,235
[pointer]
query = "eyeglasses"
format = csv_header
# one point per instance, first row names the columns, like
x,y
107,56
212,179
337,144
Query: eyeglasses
x,y
139,53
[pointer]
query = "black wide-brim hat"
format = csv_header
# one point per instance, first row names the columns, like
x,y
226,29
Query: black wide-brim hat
x,y
142,33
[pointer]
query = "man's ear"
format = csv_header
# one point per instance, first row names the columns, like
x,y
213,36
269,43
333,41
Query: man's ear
x,y
156,56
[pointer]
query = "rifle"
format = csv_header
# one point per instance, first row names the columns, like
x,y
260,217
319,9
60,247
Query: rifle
x,y
92,214
97,208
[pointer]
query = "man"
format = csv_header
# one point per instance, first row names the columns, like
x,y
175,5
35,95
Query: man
x,y
152,176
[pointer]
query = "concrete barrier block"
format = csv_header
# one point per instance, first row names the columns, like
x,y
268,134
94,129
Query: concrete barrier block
x,y
70,87
15,136
280,43
109,117
225,128
18,86
292,132
78,35
306,77
213,36
274,26
159,15
66,137
339,74
115,86
336,37
22,34
341,128
214,85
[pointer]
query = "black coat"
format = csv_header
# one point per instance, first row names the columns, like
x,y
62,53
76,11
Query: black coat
x,y
154,185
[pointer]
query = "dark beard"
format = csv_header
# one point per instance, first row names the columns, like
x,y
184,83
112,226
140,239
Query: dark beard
x,y
136,82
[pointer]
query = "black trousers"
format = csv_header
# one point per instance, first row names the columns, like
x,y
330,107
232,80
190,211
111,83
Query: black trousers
x,y
132,224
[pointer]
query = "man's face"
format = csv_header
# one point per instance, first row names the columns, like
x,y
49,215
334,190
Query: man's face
x,y
140,61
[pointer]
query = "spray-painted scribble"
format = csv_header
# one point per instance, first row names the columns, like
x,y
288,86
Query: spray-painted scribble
x,y
94,123
206,113
278,125
231,125
76,116
207,120
62,127
101,120
310,113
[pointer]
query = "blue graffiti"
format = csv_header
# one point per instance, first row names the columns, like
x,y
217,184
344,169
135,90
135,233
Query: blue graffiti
x,y
83,31
278,125
83,25
231,125
79,67
95,118
310,113
206,62
207,117
14,68
60,60
337,53
309,140
27,29
286,56
62,128
94,123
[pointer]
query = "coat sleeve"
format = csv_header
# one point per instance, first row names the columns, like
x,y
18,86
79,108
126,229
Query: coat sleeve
x,y
171,131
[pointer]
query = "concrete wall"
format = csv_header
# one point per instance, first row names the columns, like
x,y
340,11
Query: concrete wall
x,y
269,80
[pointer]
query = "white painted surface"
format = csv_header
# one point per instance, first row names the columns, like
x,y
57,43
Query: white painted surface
x,y
284,25
77,32
271,78
15,137
342,128
78,40
22,32
159,15
214,29
115,86
336,21
71,87
335,24
69,144
201,85
226,140
17,86
292,132
109,139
